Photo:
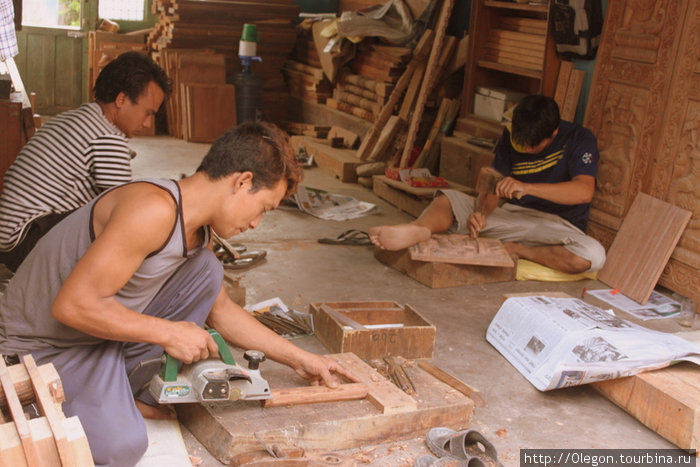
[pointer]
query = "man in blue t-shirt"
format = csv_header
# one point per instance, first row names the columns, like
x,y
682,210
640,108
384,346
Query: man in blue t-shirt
x,y
549,168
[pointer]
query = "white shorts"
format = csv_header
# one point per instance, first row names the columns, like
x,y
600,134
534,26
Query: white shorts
x,y
529,227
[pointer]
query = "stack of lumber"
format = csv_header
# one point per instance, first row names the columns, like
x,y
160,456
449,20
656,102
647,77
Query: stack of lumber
x,y
307,82
307,129
217,25
518,42
374,71
51,438
202,106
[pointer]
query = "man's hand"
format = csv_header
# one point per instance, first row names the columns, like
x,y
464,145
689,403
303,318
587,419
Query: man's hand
x,y
510,188
317,369
475,223
189,343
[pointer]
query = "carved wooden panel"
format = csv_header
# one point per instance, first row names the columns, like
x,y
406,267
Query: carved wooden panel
x,y
644,108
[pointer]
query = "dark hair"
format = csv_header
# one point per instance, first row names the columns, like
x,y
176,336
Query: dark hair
x,y
129,73
535,119
260,148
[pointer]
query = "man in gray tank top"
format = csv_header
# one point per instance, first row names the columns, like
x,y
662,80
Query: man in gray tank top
x,y
131,274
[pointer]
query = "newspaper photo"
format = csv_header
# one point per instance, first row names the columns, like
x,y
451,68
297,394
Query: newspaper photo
x,y
658,306
330,206
562,342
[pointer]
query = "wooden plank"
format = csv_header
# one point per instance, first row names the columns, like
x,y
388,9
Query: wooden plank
x,y
666,400
462,249
233,428
20,423
315,395
372,135
474,394
422,192
381,392
563,78
54,417
380,151
210,110
643,245
573,92
433,69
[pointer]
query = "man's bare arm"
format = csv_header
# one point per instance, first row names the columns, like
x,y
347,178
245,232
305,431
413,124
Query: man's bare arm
x,y
130,223
579,190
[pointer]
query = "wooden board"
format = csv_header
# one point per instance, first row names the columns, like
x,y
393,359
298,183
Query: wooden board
x,y
643,246
441,275
338,161
209,110
229,429
666,400
462,249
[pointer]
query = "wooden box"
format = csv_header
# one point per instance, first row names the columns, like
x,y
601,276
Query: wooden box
x,y
414,337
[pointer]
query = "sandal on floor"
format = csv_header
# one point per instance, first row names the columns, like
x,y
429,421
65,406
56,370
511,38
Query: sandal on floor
x,y
427,460
349,237
469,445
245,260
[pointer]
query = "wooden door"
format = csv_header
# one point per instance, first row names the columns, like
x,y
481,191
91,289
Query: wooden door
x,y
50,62
644,108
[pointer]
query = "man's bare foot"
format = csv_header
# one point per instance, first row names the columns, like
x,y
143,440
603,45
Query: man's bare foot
x,y
398,237
157,413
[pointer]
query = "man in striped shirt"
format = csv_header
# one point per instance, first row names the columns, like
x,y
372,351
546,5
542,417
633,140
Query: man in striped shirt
x,y
78,154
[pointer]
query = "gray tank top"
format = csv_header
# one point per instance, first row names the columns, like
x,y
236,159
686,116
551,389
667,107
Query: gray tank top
x,y
26,323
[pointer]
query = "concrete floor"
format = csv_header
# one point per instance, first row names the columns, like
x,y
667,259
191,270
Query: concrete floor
x,y
299,270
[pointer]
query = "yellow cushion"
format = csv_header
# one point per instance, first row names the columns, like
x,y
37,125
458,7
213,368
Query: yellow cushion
x,y
529,271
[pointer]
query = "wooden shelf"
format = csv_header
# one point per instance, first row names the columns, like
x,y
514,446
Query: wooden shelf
x,y
517,6
515,70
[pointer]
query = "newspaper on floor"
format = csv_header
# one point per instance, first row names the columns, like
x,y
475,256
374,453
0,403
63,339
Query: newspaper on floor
x,y
658,306
561,342
330,206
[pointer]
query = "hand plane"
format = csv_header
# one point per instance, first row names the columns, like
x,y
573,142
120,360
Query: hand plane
x,y
211,380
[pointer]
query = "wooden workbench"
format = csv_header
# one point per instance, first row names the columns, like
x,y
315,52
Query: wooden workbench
x,y
232,428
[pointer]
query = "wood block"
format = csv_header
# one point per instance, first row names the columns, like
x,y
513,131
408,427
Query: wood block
x,y
340,162
643,245
399,198
665,400
414,339
441,275
462,249
350,140
229,429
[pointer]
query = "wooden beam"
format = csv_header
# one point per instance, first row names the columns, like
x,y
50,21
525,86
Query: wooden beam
x,y
372,135
20,422
315,395
428,81
474,394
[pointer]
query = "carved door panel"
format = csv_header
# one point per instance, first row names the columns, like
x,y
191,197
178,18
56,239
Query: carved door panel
x,y
644,109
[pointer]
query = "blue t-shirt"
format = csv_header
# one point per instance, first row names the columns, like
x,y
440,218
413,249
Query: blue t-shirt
x,y
573,152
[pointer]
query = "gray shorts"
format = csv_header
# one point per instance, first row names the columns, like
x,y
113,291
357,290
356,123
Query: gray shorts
x,y
529,227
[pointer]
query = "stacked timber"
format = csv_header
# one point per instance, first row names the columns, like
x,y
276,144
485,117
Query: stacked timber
x,y
518,42
307,82
217,25
364,88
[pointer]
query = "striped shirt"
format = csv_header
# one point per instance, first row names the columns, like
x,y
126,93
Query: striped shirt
x,y
72,158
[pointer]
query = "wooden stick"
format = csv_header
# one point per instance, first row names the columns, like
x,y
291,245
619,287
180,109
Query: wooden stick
x,y
17,413
428,79
474,394
372,135
54,417
315,394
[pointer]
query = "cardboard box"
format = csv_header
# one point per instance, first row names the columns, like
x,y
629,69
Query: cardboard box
x,y
492,102
386,329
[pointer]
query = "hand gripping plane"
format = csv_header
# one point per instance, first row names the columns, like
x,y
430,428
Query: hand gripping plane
x,y
211,380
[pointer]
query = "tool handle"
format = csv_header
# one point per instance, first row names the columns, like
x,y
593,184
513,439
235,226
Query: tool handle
x,y
168,371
